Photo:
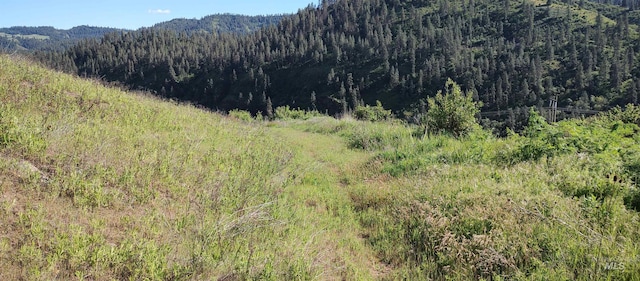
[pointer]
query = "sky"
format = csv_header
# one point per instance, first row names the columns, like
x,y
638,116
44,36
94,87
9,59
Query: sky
x,y
131,14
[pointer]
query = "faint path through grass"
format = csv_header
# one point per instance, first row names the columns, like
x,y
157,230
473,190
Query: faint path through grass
x,y
330,172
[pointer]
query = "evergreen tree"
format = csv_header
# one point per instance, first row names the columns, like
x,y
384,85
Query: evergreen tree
x,y
269,108
403,49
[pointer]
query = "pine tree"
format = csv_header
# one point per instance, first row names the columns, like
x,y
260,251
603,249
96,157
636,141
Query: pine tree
x,y
525,92
269,108
313,101
632,92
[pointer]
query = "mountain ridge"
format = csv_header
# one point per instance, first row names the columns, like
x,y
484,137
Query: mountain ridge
x,y
220,23
48,38
338,55
28,38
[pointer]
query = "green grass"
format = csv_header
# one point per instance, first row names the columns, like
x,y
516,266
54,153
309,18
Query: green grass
x,y
102,184
138,188
553,204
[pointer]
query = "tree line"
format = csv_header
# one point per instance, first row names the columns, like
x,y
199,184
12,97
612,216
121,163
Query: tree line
x,y
338,55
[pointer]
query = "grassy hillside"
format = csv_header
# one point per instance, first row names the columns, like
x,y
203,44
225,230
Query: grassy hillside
x,y
101,184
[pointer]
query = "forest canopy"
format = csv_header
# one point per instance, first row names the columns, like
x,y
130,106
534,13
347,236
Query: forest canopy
x,y
338,55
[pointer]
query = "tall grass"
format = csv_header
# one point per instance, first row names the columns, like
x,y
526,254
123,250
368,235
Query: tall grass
x,y
486,208
101,184
138,188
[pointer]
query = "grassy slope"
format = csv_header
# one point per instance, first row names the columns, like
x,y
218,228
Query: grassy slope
x,y
480,207
100,184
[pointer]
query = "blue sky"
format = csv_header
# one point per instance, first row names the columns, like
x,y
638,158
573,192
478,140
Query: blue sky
x,y
131,14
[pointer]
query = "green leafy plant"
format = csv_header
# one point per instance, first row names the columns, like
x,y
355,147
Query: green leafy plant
x,y
288,113
241,115
452,112
372,113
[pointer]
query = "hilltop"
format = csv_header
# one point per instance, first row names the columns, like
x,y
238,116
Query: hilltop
x,y
220,23
24,38
512,55
46,38
102,184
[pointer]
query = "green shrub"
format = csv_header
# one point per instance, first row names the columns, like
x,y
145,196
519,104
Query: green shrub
x,y
631,167
537,126
376,136
372,113
452,112
532,149
241,115
287,113
543,140
632,199
630,114
631,164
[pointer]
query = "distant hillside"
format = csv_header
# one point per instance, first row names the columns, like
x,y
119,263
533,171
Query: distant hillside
x,y
46,37
511,55
222,23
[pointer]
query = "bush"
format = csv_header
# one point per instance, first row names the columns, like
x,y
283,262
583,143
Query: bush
x,y
453,113
241,115
631,168
630,114
376,136
287,113
372,113
632,199
631,164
